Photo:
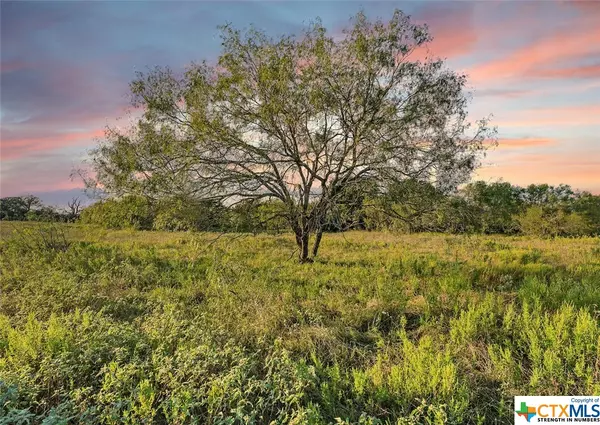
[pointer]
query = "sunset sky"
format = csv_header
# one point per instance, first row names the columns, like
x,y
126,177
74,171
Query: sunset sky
x,y
65,69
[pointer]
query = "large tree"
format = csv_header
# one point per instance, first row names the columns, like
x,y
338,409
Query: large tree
x,y
298,119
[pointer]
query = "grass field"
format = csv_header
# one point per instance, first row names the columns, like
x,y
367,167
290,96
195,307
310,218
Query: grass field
x,y
155,328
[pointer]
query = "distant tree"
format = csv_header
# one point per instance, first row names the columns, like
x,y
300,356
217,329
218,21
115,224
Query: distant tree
x,y
538,221
497,203
350,209
547,195
457,215
17,207
300,121
588,206
413,202
251,216
47,214
73,209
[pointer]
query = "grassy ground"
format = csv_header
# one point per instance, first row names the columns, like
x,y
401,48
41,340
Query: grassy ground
x,y
148,327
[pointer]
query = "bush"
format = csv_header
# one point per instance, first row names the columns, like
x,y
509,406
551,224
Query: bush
x,y
257,217
588,206
536,221
46,214
178,214
41,237
171,214
129,212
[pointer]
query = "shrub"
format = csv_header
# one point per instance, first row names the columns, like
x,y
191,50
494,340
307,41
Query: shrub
x,y
178,214
41,238
537,221
129,212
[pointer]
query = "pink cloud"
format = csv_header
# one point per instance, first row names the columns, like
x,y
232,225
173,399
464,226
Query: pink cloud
x,y
452,28
559,116
13,66
584,71
16,148
49,182
540,58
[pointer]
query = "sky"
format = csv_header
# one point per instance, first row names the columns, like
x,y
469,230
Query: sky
x,y
65,69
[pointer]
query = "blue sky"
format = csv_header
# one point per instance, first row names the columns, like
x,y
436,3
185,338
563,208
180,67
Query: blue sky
x,y
65,69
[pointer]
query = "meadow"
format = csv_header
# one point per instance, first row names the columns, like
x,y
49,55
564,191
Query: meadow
x,y
134,327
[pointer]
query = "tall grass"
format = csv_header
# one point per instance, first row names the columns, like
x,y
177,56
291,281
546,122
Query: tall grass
x,y
167,328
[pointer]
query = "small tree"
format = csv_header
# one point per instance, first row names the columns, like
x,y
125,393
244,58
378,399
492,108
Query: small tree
x,y
299,120
73,210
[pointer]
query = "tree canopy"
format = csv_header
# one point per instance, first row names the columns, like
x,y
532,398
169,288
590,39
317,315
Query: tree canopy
x,y
301,120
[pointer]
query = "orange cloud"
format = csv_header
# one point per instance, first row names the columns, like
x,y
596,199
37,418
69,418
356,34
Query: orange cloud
x,y
523,143
555,168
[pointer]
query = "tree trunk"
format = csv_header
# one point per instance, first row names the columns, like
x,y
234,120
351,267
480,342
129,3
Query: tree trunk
x,y
302,240
298,239
317,242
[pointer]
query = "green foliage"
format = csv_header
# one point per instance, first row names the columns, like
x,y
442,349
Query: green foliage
x,y
180,214
16,208
551,196
41,237
588,206
481,207
253,217
149,327
497,204
45,214
129,212
412,206
549,223
31,208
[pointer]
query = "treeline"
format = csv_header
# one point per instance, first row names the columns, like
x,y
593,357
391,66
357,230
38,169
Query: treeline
x,y
479,207
31,208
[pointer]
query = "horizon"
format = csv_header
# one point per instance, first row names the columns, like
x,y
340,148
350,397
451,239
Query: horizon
x,y
65,69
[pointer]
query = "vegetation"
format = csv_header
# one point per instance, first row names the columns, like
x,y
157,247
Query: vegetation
x,y
391,324
302,122
178,328
479,207
31,208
